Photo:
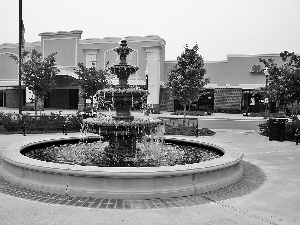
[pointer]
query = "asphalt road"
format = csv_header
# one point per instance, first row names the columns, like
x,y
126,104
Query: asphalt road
x,y
230,124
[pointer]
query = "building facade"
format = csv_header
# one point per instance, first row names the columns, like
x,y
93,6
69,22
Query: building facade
x,y
231,85
233,81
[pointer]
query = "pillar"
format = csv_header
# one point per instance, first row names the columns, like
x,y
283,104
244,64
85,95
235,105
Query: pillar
x,y
154,73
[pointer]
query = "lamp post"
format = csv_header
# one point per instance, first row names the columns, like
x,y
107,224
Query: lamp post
x,y
266,72
20,55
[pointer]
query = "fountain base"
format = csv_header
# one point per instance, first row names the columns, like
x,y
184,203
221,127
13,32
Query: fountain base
x,y
121,182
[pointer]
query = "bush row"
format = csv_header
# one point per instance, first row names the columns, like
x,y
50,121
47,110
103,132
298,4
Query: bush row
x,y
14,123
228,110
290,128
189,113
203,113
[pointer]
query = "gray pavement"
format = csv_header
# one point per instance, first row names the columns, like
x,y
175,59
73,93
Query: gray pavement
x,y
275,201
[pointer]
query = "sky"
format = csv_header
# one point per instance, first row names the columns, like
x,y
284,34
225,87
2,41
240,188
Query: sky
x,y
219,27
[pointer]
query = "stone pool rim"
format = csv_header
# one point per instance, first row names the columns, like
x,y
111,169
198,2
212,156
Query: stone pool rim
x,y
121,182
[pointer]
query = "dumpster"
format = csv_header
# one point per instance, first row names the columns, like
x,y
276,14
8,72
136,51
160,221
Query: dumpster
x,y
277,129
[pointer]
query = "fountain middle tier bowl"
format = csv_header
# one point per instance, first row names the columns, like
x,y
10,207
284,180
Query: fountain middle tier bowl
x,y
120,182
128,90
139,125
123,70
137,122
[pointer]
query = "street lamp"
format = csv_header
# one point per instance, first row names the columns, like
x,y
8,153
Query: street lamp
x,y
20,55
266,72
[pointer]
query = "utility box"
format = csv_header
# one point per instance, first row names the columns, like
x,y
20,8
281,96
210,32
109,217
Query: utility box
x,y
277,129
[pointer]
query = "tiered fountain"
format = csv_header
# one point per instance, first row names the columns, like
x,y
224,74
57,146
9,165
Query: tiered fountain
x,y
122,130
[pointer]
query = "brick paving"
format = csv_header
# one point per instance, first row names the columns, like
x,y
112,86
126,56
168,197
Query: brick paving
x,y
251,179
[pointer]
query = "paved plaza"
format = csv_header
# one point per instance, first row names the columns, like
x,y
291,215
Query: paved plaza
x,y
268,192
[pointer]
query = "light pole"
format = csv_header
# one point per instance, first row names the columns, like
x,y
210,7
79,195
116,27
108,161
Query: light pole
x,y
266,72
20,55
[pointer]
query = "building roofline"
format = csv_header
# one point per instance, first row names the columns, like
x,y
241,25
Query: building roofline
x,y
16,45
118,39
254,55
217,61
62,33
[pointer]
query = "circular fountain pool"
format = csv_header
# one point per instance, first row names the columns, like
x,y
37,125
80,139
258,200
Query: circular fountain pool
x,y
121,182
149,152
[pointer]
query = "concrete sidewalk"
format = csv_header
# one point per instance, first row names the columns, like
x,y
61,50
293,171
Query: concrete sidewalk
x,y
275,201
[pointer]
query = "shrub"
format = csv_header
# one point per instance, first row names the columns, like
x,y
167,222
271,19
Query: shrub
x,y
228,110
268,115
43,123
9,121
205,132
74,122
150,110
264,128
290,128
189,113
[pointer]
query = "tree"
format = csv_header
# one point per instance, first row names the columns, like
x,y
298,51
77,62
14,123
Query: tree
x,y
38,74
283,81
291,75
90,80
274,89
186,78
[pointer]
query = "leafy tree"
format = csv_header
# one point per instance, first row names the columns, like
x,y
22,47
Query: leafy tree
x,y
37,73
275,87
291,74
90,80
283,81
186,78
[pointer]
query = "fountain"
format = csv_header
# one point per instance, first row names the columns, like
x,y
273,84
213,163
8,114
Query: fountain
x,y
122,130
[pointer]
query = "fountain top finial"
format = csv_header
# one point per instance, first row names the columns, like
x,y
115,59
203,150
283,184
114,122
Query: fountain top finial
x,y
123,70
123,50
123,42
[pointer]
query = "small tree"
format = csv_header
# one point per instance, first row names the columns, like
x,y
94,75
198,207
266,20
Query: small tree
x,y
284,80
275,86
38,74
186,78
291,71
90,80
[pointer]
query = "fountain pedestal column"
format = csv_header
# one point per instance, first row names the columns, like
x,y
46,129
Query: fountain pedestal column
x,y
123,104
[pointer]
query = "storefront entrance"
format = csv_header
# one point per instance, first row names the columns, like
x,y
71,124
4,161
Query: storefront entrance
x,y
62,99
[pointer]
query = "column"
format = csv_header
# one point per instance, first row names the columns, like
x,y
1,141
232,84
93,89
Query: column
x,y
154,73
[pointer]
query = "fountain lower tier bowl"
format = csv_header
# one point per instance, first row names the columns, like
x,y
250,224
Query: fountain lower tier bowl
x,y
124,95
120,182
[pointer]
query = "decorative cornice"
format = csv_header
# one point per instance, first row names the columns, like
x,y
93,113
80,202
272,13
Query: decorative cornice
x,y
149,48
91,50
128,39
62,33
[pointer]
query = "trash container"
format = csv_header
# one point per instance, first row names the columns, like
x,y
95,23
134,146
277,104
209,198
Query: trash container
x,y
277,129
